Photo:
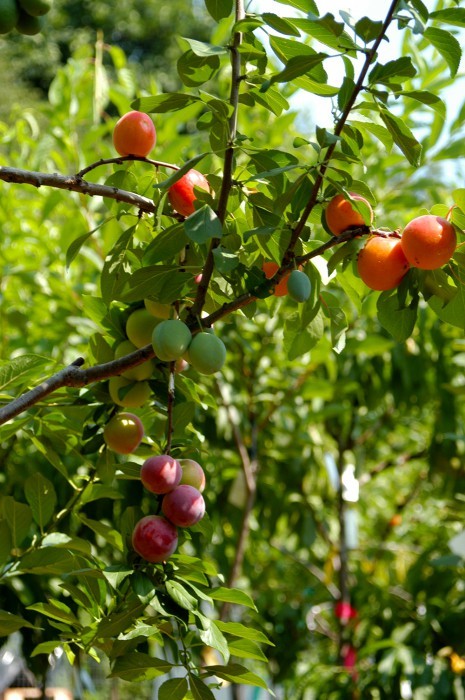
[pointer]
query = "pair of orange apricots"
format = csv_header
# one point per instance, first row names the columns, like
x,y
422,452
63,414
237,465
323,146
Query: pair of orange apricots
x,y
427,242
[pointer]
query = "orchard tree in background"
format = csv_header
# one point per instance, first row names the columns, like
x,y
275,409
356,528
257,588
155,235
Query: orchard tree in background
x,y
232,431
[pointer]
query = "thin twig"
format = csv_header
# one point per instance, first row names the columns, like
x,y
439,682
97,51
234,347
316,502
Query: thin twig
x,y
121,159
76,184
171,395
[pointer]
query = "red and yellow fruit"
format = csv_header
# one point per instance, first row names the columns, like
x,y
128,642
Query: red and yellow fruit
x,y
181,195
154,538
160,474
341,216
134,134
123,433
381,263
429,242
184,506
192,474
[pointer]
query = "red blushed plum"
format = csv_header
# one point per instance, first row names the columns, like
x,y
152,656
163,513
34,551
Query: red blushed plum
x,y
184,506
154,538
160,474
192,474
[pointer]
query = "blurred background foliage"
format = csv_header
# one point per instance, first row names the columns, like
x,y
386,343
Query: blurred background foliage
x,y
395,411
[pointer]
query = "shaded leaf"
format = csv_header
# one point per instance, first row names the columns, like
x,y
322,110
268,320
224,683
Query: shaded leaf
x,y
136,666
41,496
174,689
403,137
10,623
203,225
447,45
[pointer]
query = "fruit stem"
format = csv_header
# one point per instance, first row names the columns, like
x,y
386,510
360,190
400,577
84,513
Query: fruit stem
x,y
171,395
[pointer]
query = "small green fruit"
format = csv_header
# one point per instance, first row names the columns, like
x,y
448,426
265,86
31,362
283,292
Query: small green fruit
x,y
171,339
36,8
128,394
299,286
27,24
158,310
138,373
9,15
139,327
207,353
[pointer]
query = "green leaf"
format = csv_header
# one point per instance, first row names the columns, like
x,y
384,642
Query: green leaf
x,y
118,622
110,535
296,66
183,414
76,245
199,690
174,689
116,574
225,260
57,611
166,244
367,29
427,98
10,623
41,496
20,370
451,15
219,9
165,282
232,595
403,137
19,518
326,30
211,635
239,630
235,673
171,102
398,320
280,24
178,174
136,666
303,5
203,225
399,68
447,45
181,596
246,649
201,48
46,648
5,542
453,312
196,70
51,561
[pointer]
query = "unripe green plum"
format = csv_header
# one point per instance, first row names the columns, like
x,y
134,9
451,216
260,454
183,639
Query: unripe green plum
x,y
184,506
36,8
123,433
170,339
160,474
206,353
158,310
154,538
9,15
27,24
138,373
192,474
139,327
299,286
134,397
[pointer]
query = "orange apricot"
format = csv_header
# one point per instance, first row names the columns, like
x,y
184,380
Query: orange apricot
x,y
381,263
134,134
341,216
270,269
429,242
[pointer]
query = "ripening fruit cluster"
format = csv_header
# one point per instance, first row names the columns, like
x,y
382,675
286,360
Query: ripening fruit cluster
x,y
171,340
23,15
135,135
427,242
179,483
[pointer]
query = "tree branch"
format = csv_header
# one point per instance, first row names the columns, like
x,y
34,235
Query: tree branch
x,y
74,183
74,376
337,131
120,160
208,267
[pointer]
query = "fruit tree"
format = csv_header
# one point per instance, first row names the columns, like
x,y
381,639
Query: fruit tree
x,y
232,419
